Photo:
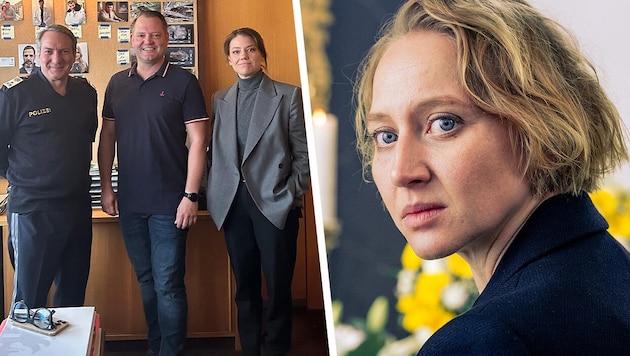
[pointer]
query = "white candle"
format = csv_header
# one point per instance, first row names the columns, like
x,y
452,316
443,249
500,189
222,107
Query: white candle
x,y
325,129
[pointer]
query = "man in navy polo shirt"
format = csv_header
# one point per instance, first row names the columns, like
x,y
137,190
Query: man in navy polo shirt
x,y
48,122
149,112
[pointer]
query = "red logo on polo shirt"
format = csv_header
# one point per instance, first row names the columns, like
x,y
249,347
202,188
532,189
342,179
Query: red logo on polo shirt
x,y
162,93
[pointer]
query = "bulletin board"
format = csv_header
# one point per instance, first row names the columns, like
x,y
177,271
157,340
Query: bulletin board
x,y
101,43
104,43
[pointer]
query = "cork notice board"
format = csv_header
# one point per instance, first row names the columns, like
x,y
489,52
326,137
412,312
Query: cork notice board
x,y
104,45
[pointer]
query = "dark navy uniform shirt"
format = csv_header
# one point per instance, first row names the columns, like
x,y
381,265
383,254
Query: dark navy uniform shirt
x,y
46,143
151,117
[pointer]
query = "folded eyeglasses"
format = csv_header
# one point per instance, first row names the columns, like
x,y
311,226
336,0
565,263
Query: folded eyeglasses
x,y
40,317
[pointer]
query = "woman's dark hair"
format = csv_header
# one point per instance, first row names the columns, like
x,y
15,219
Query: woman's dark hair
x,y
245,31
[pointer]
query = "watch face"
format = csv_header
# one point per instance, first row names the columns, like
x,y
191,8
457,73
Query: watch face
x,y
192,196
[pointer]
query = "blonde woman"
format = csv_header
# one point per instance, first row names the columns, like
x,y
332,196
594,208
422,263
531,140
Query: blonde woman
x,y
484,129
79,65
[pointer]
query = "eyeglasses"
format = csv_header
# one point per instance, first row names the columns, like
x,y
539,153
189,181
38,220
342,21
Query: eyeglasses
x,y
40,317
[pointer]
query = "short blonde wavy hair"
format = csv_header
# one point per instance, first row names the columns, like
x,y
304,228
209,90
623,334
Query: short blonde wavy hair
x,y
526,69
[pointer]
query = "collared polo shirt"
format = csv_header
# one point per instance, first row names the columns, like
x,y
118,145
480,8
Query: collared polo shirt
x,y
151,117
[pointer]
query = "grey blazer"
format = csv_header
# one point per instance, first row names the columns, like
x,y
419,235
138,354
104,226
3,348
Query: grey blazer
x,y
275,161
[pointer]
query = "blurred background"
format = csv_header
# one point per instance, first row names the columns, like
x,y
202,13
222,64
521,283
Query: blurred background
x,y
370,271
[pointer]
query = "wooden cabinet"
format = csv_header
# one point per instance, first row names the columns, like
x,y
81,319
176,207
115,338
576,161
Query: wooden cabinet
x,y
112,287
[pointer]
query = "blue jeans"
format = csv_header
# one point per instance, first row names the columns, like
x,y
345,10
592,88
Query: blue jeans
x,y
157,252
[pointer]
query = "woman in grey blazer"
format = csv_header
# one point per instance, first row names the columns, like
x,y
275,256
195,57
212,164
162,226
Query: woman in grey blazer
x,y
258,173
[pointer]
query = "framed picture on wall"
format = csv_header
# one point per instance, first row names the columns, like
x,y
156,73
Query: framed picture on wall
x,y
12,10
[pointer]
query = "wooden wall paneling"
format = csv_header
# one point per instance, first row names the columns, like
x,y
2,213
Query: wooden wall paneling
x,y
112,285
209,282
273,19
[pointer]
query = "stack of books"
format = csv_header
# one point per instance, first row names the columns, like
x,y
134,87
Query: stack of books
x,y
95,187
82,336
4,200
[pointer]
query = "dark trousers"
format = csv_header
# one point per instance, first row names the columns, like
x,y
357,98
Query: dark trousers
x,y
50,246
253,241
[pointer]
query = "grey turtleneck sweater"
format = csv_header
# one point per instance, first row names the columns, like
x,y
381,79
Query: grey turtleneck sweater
x,y
245,99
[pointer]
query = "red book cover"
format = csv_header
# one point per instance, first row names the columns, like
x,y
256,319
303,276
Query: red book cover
x,y
96,335
4,322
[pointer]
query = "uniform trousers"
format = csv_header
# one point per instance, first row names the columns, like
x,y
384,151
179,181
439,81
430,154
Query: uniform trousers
x,y
253,241
47,246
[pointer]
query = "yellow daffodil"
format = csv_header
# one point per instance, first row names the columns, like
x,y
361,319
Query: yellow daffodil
x,y
428,287
614,205
605,201
458,266
409,259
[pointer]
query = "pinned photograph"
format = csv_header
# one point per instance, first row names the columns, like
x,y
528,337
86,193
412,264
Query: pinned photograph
x,y
28,58
12,10
139,6
75,12
178,11
180,34
181,56
43,13
80,64
113,11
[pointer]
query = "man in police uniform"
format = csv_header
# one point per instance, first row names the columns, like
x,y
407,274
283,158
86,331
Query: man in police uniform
x,y
48,122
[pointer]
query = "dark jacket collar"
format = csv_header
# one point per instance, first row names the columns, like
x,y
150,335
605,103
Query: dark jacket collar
x,y
557,221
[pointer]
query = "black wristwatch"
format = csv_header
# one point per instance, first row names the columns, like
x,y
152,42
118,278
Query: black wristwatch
x,y
192,196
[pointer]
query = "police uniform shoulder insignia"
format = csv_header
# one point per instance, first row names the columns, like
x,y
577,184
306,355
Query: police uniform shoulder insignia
x,y
13,82
82,79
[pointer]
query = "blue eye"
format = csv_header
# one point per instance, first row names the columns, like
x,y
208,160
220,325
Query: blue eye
x,y
447,124
384,138
444,123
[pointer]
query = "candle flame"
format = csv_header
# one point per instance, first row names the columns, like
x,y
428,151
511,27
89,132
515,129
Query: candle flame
x,y
319,117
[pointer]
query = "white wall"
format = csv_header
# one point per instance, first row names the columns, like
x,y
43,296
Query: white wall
x,y
603,29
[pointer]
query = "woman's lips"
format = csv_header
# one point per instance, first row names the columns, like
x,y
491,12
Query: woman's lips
x,y
418,215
